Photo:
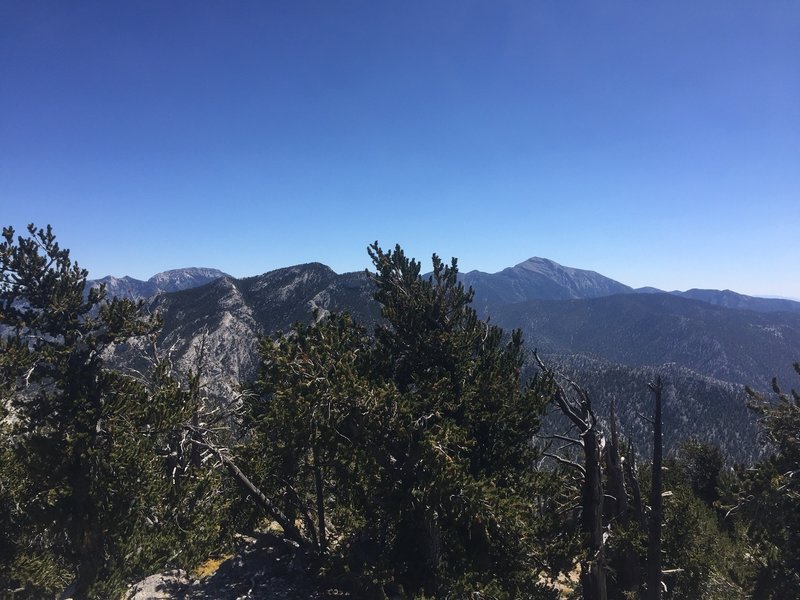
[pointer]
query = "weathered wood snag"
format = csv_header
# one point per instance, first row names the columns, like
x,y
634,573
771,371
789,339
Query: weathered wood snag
x,y
577,407
622,516
654,541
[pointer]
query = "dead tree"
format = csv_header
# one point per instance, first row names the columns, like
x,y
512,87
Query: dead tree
x,y
632,481
290,530
577,407
620,513
654,541
616,478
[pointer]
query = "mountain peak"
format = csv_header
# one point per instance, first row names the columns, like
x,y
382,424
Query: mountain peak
x,y
538,264
173,280
185,273
541,279
547,266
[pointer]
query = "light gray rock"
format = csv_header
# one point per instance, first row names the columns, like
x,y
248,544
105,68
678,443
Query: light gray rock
x,y
168,585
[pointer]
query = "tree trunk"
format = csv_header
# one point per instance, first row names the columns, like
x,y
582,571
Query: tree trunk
x,y
87,535
318,485
86,531
626,563
289,528
593,571
654,541
616,478
195,459
579,411
637,508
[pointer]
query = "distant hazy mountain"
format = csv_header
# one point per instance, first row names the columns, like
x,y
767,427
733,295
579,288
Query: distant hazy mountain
x,y
543,279
539,279
738,346
168,281
730,299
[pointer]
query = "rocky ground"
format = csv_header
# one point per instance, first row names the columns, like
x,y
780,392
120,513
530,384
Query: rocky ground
x,y
266,568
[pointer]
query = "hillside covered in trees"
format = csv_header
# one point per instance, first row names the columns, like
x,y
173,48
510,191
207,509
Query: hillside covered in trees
x,y
610,344
400,452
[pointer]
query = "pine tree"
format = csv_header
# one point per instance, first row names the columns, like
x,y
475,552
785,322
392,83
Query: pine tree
x,y
769,498
408,457
82,470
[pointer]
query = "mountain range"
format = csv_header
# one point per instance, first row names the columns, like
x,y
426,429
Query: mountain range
x,y
609,337
543,279
167,281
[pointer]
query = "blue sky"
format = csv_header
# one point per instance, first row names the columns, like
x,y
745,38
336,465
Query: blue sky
x,y
656,143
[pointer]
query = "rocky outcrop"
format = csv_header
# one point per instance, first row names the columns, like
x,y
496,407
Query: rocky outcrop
x,y
266,567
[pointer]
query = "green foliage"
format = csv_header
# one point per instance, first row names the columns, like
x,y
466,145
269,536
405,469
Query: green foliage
x,y
701,466
88,500
769,496
407,457
704,558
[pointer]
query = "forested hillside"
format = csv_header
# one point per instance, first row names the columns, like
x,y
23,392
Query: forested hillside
x,y
611,344
737,346
400,451
697,407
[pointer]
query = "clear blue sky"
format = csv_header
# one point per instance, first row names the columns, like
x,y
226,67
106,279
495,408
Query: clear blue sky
x,y
656,143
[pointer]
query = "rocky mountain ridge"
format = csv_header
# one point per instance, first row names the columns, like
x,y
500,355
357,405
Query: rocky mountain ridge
x,y
607,336
534,279
173,280
217,327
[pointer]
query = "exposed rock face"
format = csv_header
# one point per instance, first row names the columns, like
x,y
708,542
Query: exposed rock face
x,y
225,319
184,279
211,329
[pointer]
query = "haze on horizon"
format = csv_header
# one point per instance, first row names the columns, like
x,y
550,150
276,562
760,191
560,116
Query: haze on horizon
x,y
656,145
